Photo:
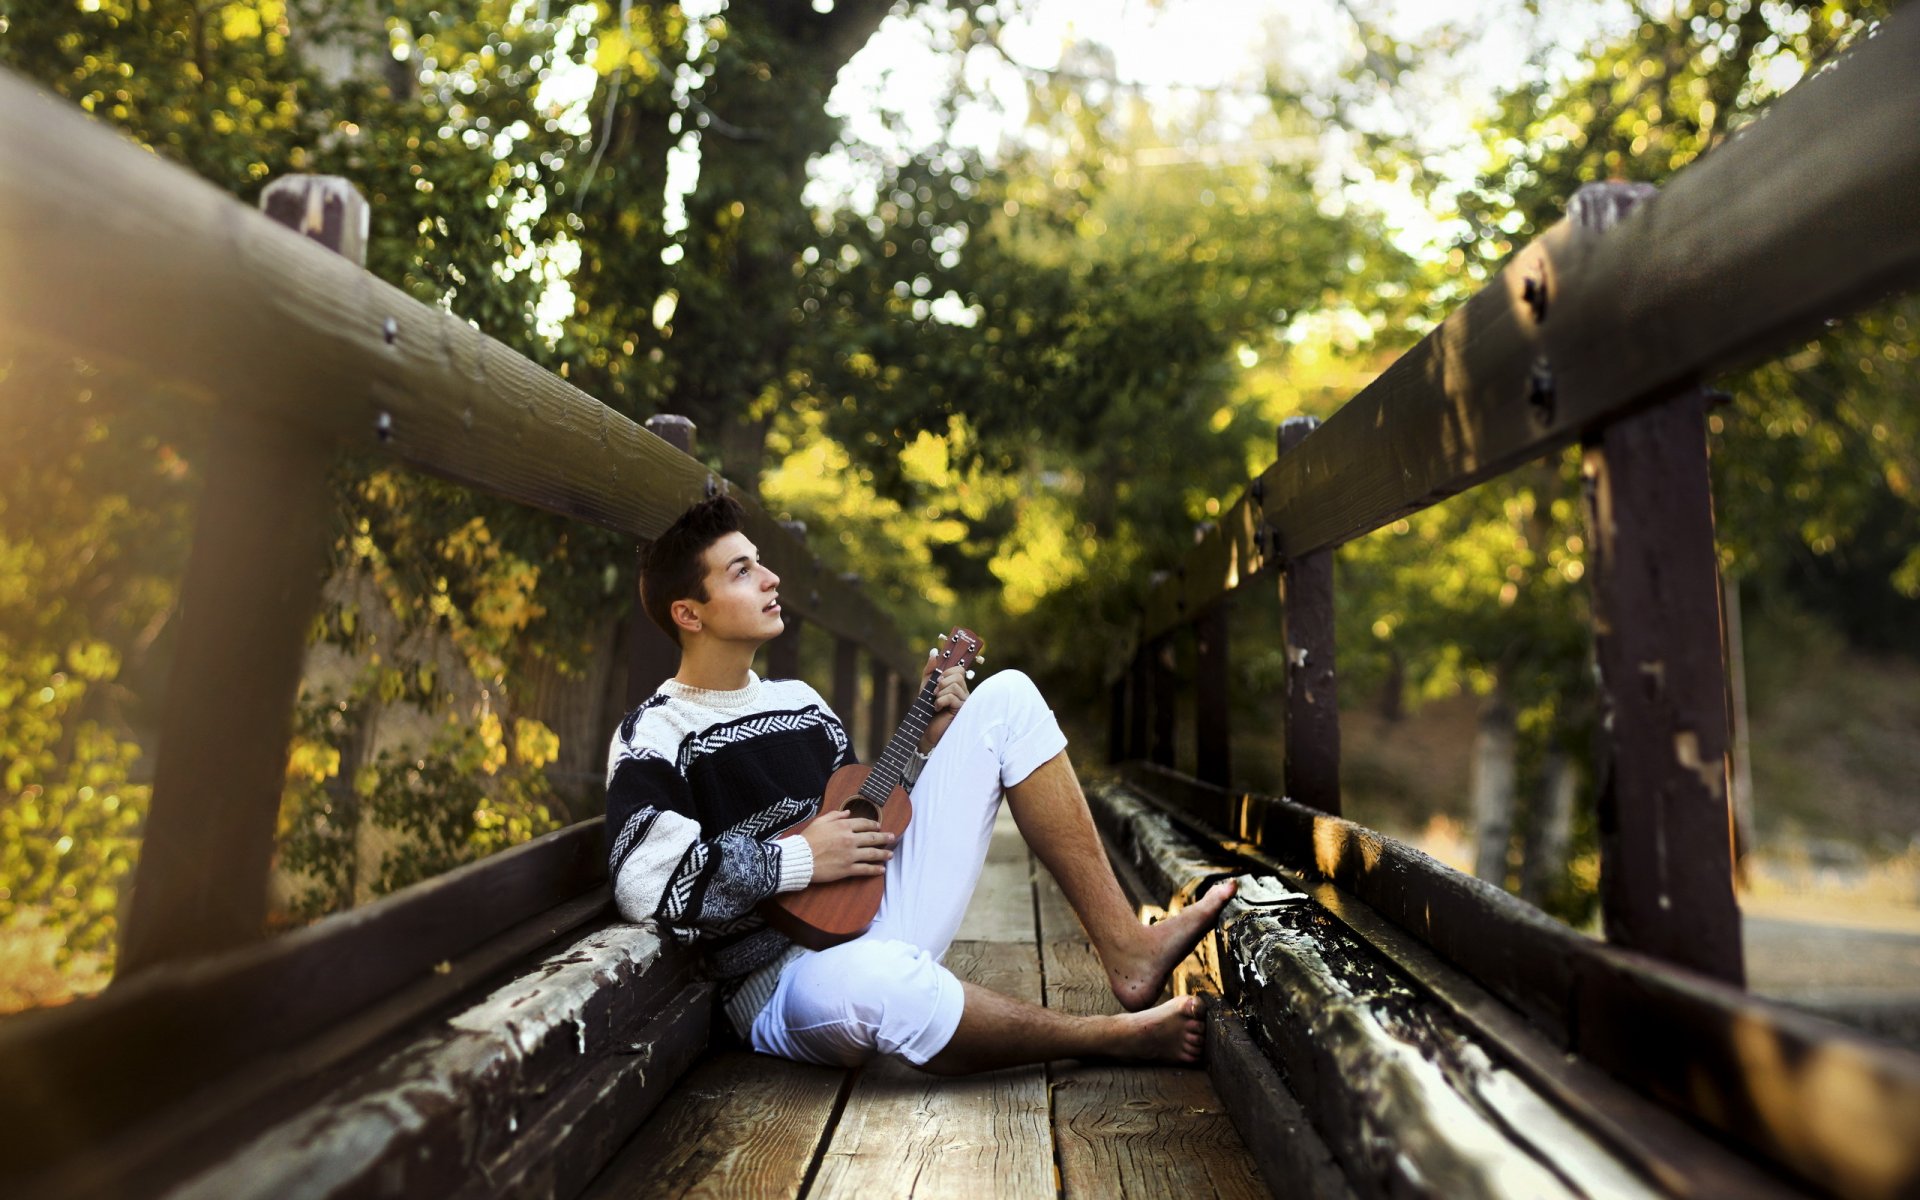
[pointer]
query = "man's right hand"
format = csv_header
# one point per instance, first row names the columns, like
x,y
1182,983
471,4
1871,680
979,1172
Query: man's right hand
x,y
845,845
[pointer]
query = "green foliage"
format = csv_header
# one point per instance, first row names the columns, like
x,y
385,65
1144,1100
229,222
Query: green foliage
x,y
93,498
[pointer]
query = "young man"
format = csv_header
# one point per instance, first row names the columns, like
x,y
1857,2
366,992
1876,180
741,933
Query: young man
x,y
703,777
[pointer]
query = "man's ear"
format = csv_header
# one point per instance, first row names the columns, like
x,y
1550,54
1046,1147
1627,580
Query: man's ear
x,y
685,616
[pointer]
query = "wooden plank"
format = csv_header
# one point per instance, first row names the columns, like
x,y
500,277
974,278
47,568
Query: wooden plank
x,y
71,1076
553,1060
1134,1131
904,1133
1837,1108
1312,728
190,1128
740,1124
1663,809
187,285
1757,1070
1802,216
1273,1127
1002,907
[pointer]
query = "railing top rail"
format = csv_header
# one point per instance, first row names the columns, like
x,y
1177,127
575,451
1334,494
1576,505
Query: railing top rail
x,y
1806,214
121,257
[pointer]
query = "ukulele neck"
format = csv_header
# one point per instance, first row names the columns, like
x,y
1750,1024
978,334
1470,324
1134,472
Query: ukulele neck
x,y
890,768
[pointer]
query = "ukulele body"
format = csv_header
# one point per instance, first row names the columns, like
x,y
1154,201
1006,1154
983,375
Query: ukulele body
x,y
826,914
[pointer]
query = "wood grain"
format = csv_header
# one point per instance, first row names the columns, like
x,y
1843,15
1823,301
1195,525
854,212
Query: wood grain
x,y
1804,215
1126,1130
77,1074
904,1133
1002,907
740,1124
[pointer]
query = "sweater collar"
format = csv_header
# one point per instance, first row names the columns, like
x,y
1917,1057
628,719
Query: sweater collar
x,y
712,698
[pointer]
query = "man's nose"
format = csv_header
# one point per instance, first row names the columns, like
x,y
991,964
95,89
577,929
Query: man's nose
x,y
773,581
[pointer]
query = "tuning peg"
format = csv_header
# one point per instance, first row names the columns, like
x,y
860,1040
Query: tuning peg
x,y
969,674
979,658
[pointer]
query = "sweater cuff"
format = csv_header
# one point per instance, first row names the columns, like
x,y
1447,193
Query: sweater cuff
x,y
796,863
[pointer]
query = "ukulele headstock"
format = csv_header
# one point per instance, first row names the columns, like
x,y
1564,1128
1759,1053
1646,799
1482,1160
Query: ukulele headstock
x,y
961,648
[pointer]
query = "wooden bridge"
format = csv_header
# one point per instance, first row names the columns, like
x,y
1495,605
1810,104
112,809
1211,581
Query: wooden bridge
x,y
1385,1026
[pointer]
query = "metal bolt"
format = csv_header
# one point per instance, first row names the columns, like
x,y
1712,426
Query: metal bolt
x,y
383,427
390,329
1540,390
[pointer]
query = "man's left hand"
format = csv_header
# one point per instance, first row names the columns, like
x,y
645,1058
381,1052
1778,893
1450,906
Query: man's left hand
x,y
951,693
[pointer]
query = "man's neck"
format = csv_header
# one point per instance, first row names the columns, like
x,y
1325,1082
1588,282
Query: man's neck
x,y
715,666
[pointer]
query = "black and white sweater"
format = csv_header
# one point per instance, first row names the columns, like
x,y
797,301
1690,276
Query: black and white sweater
x,y
698,784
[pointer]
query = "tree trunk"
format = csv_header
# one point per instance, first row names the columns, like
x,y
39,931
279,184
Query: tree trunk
x,y
1492,788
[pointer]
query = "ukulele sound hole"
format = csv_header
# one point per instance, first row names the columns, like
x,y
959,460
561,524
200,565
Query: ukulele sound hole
x,y
862,809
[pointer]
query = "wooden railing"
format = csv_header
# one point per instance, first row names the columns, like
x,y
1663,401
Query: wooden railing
x,y
1602,331
116,257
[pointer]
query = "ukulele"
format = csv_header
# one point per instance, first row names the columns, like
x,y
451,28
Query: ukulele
x,y
826,914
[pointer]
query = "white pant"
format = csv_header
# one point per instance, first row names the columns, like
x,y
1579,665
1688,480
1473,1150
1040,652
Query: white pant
x,y
885,991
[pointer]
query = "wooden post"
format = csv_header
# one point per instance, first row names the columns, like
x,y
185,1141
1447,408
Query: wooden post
x,y
846,683
652,656
879,727
1666,852
1312,771
1139,685
253,580
1213,732
1117,721
1164,689
783,652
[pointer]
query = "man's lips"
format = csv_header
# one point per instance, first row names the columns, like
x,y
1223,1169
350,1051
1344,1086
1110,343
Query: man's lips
x,y
772,606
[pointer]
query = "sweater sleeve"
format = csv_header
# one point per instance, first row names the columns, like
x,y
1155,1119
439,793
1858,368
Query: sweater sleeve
x,y
662,868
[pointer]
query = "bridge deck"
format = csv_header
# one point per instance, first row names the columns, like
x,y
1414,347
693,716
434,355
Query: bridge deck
x,y
745,1124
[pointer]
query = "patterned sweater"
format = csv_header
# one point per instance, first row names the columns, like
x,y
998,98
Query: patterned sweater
x,y
698,784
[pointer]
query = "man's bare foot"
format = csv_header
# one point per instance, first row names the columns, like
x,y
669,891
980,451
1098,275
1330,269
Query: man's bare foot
x,y
1174,1032
1138,972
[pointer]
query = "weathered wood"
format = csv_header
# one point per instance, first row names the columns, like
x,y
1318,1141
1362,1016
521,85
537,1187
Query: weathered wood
x,y
253,579
1312,771
190,287
1139,701
74,1076
652,656
1213,715
904,1133
1002,907
1834,1106
551,1063
1163,699
1661,1145
1135,1131
846,684
188,1129
1755,1069
1286,1148
740,1124
1800,217
1664,814
1407,1101
880,719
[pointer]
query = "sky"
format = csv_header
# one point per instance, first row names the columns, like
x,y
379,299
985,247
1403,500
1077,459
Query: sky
x,y
1179,54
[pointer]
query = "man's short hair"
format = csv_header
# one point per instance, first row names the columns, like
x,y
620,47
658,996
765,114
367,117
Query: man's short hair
x,y
676,566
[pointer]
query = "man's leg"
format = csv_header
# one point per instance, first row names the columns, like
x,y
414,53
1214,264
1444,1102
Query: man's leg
x,y
997,1031
1052,813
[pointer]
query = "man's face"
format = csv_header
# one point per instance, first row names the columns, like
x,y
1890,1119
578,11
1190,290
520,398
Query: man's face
x,y
743,601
